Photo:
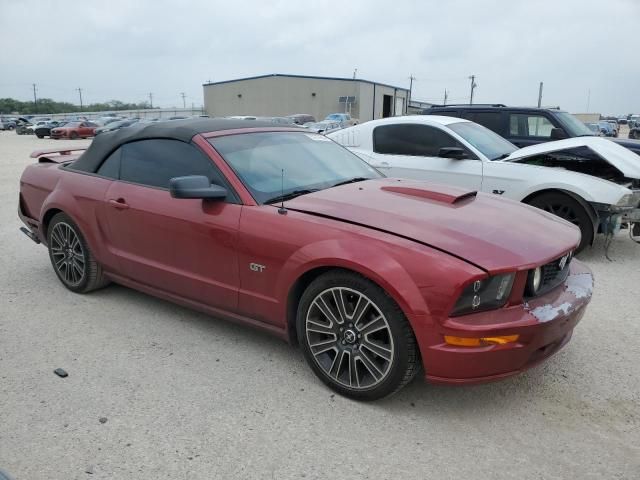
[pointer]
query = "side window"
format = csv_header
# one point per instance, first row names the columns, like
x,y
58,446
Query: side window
x,y
408,139
155,162
490,120
524,125
110,168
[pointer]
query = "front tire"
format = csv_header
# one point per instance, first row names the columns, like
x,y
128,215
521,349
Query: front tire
x,y
355,337
567,208
73,135
71,258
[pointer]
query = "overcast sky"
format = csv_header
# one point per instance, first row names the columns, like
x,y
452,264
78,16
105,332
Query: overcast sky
x,y
125,49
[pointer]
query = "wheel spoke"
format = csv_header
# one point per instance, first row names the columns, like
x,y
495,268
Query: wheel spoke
x,y
380,350
322,346
370,365
338,298
326,310
378,323
354,380
67,254
334,371
358,312
317,327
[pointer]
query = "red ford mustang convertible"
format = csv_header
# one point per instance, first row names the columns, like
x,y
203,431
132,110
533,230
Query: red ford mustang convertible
x,y
377,279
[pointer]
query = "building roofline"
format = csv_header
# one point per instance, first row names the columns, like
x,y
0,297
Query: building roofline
x,y
305,76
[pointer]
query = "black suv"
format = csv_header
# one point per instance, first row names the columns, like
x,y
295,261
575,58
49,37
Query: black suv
x,y
524,126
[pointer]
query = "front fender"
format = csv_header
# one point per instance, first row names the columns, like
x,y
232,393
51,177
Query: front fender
x,y
374,263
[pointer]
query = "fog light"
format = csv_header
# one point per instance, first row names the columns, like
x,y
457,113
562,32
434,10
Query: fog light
x,y
480,342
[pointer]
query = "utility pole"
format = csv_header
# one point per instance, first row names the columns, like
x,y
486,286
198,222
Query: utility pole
x,y
80,93
35,99
446,95
184,104
411,79
473,87
355,72
540,94
151,99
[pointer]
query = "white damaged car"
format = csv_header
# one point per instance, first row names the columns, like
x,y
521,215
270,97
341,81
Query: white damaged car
x,y
589,181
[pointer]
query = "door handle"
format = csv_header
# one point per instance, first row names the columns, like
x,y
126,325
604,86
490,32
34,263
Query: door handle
x,y
119,203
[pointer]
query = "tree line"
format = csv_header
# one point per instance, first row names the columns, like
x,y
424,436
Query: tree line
x,y
47,105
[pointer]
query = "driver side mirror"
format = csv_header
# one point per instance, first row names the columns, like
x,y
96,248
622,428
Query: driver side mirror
x,y
196,186
455,153
558,134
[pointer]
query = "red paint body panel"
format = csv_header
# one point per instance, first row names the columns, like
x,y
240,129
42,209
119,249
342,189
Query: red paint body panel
x,y
421,244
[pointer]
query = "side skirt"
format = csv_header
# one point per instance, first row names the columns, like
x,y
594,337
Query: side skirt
x,y
201,307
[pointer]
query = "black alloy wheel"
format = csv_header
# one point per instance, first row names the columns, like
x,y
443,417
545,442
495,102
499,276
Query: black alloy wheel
x,y
71,257
354,336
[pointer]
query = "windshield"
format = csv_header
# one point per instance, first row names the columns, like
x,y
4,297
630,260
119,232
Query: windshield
x,y
490,144
334,116
574,127
300,161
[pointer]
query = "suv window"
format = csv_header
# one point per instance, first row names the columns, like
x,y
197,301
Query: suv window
x,y
490,120
154,162
527,125
411,139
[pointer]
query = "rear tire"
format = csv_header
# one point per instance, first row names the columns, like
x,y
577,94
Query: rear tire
x,y
73,135
71,258
365,348
567,208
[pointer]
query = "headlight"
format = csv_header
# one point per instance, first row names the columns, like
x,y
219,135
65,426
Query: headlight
x,y
534,281
487,294
626,201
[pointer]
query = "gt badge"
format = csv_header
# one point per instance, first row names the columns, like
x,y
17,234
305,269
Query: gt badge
x,y
498,192
256,267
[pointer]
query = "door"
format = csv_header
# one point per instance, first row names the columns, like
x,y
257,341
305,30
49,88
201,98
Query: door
x,y
407,150
386,105
185,247
529,129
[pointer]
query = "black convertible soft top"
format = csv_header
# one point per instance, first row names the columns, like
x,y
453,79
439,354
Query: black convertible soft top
x,y
182,130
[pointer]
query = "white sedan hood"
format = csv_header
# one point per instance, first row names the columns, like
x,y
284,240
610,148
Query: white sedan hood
x,y
620,157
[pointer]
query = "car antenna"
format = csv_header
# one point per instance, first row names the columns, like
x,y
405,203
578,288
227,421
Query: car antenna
x,y
282,210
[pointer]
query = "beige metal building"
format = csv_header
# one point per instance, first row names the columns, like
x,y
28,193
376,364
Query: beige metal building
x,y
281,95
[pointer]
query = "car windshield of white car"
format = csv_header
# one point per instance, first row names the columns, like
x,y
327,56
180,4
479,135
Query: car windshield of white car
x,y
490,144
272,164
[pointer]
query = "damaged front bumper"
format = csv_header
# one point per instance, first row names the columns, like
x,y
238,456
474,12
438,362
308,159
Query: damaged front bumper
x,y
543,326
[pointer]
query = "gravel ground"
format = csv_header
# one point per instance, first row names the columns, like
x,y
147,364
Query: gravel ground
x,y
182,395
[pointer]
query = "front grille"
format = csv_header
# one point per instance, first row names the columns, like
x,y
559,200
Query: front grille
x,y
553,275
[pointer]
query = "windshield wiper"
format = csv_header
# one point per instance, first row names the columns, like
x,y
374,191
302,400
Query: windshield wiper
x,y
291,195
351,180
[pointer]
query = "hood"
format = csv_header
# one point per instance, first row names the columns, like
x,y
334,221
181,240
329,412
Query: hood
x,y
620,157
490,232
633,145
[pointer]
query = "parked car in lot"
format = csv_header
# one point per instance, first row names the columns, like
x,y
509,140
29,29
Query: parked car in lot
x,y
7,124
73,130
524,126
607,129
344,119
287,231
324,126
111,126
592,182
595,128
44,130
301,118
